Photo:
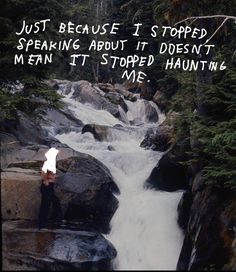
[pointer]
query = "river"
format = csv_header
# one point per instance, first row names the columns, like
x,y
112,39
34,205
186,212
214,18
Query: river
x,y
144,228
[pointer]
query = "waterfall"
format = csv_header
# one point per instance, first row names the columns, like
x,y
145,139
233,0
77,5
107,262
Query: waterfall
x,y
144,228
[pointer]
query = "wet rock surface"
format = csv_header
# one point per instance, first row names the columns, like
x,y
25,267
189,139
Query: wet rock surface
x,y
210,230
158,141
26,248
85,92
121,89
150,112
85,195
99,132
161,139
115,98
169,175
26,130
184,208
60,121
161,100
101,95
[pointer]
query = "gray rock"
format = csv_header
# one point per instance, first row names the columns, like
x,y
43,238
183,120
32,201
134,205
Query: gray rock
x,y
162,139
86,191
161,100
210,230
116,99
111,148
20,194
106,87
61,121
26,248
123,91
26,130
150,112
84,92
99,132
169,174
159,141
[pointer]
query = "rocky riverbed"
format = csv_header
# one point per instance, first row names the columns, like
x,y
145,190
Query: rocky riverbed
x,y
88,191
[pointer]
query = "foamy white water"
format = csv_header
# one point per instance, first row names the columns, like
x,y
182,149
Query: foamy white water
x,y
144,228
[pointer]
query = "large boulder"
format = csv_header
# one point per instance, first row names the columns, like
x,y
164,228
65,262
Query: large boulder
x,y
116,92
26,248
159,140
161,100
169,174
10,145
99,132
119,88
84,186
209,242
147,142
22,156
145,91
162,139
26,130
116,98
20,194
184,208
86,191
151,112
85,92
60,121
133,87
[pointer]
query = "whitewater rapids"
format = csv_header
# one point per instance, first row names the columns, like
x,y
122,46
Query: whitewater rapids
x,y
144,228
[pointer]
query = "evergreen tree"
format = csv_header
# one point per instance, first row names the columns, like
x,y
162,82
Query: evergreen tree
x,y
12,13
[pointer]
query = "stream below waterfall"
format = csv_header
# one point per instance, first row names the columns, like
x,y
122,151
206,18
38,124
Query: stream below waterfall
x,y
144,228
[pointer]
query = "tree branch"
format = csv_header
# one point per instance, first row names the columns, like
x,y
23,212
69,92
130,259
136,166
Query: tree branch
x,y
226,18
207,17
216,31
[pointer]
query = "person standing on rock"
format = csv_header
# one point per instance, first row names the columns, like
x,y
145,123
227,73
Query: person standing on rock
x,y
48,175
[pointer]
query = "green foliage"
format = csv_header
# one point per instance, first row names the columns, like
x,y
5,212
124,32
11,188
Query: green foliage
x,y
33,99
35,94
217,132
8,104
12,13
183,103
212,132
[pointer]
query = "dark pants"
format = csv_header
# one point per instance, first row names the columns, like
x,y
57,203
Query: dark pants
x,y
48,198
